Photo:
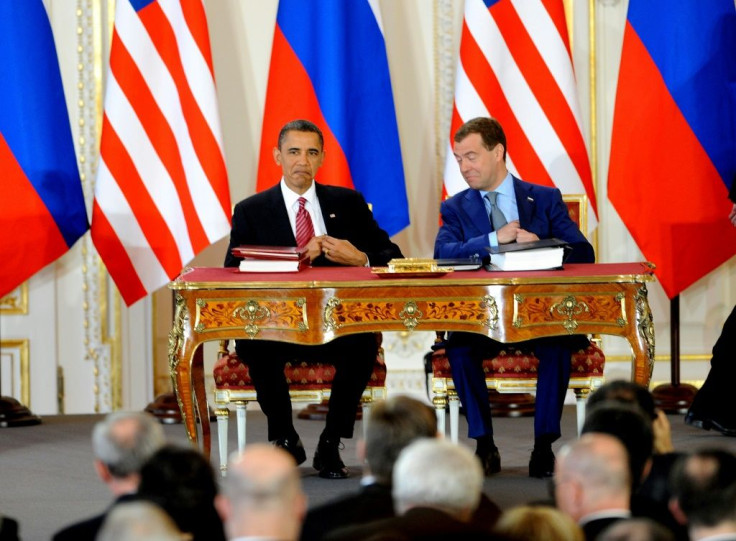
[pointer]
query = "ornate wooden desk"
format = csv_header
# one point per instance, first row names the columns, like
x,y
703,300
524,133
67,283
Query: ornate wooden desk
x,y
317,305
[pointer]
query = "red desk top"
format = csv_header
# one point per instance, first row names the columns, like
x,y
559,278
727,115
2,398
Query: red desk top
x,y
316,277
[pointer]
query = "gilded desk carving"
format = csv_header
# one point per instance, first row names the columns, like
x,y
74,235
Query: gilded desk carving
x,y
573,312
251,315
412,313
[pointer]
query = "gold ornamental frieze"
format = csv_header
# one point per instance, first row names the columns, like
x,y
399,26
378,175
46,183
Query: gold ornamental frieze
x,y
251,314
572,311
411,313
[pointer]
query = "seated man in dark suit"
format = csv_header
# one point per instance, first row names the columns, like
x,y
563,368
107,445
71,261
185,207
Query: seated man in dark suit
x,y
498,208
122,444
436,488
336,227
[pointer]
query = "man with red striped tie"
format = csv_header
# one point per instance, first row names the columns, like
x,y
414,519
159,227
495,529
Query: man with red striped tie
x,y
337,228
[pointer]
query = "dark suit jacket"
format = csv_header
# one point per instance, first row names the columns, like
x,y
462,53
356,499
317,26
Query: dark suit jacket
x,y
374,502
87,530
262,219
465,223
595,527
8,529
416,523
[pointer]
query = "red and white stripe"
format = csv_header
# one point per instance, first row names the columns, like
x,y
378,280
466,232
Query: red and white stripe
x,y
162,192
515,66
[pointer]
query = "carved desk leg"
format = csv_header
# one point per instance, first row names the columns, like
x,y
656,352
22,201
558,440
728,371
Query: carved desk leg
x,y
181,347
200,396
642,343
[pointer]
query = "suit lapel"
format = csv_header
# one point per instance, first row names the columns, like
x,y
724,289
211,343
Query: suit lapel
x,y
279,218
524,203
328,208
473,206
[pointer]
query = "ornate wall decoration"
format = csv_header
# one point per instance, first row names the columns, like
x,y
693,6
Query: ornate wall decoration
x,y
15,302
15,366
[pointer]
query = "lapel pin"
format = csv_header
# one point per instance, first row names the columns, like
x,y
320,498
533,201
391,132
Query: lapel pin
x,y
530,199
332,215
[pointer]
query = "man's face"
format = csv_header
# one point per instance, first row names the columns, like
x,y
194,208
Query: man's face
x,y
481,168
300,156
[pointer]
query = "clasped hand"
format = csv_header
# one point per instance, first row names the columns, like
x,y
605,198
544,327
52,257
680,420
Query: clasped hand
x,y
336,250
512,232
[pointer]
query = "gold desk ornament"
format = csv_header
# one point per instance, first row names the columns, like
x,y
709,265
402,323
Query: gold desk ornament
x,y
412,267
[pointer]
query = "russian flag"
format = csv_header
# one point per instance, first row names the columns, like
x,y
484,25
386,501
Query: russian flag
x,y
673,150
42,210
329,65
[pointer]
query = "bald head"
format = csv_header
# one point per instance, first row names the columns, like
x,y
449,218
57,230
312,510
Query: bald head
x,y
592,474
263,494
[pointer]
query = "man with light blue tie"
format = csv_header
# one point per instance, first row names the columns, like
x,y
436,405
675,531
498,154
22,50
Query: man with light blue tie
x,y
499,208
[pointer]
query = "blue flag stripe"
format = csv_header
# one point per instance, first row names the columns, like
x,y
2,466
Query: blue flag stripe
x,y
33,118
694,48
342,49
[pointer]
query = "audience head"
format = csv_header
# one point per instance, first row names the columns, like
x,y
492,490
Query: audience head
x,y
262,494
704,490
122,443
182,482
626,391
630,425
395,423
636,529
538,522
139,521
438,474
592,474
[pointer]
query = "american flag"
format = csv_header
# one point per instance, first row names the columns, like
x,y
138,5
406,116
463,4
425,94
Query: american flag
x,y
515,66
162,192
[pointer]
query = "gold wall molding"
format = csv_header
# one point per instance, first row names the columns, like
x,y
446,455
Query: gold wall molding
x,y
15,302
17,353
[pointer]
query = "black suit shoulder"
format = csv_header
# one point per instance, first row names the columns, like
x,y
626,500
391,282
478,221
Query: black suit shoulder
x,y
8,529
81,531
372,502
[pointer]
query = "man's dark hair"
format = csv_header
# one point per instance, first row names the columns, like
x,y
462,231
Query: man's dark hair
x,y
301,125
627,392
395,423
630,425
704,485
489,129
182,482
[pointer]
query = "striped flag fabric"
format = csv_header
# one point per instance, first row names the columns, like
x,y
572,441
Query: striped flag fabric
x,y
673,149
162,192
515,65
329,65
42,208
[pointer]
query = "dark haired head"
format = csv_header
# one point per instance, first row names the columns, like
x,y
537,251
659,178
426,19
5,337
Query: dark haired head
x,y
628,392
630,425
301,125
489,129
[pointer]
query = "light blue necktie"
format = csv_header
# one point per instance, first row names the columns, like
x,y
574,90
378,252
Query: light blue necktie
x,y
498,220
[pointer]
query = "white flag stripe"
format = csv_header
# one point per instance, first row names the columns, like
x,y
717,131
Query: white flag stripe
x,y
376,8
527,110
467,101
196,69
114,206
134,36
154,175
548,42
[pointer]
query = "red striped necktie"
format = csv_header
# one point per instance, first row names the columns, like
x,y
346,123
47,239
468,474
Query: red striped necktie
x,y
304,227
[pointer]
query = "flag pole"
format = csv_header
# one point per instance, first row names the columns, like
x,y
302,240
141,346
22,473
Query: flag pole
x,y
674,397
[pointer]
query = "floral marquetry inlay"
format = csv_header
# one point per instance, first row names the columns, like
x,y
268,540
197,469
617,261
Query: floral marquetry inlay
x,y
411,313
252,315
569,311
